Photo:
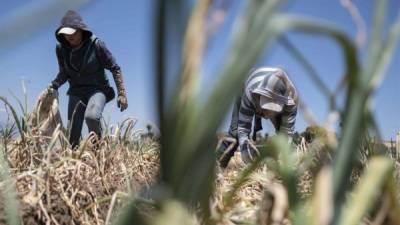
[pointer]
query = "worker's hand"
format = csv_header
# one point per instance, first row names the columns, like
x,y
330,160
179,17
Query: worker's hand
x,y
50,89
122,102
52,86
248,151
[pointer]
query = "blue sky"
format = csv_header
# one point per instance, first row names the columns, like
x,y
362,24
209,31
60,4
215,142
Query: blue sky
x,y
126,28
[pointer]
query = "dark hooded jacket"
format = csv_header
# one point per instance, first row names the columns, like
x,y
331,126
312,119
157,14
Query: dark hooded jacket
x,y
84,66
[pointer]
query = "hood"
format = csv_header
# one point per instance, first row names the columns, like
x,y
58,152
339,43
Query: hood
x,y
74,20
275,83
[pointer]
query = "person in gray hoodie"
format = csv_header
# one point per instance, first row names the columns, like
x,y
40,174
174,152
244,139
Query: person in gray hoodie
x,y
82,60
267,93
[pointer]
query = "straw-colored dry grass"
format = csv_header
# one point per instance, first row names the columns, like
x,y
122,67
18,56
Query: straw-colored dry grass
x,y
59,186
248,198
89,186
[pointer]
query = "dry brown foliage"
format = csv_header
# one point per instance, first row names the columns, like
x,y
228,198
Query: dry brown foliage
x,y
60,186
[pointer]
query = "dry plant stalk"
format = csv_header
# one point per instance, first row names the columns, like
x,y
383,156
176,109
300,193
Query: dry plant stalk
x,y
59,186
45,116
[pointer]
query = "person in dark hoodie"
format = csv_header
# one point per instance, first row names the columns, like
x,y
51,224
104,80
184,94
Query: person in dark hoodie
x,y
82,60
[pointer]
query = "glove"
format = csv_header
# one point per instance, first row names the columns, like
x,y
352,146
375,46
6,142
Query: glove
x,y
225,152
50,89
53,86
122,102
248,152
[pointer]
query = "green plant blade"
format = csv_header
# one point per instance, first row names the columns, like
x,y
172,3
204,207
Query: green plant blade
x,y
386,54
312,72
16,118
375,44
366,192
188,136
10,202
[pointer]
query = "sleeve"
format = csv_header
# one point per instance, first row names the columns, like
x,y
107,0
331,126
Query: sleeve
x,y
246,114
62,76
288,121
108,62
105,57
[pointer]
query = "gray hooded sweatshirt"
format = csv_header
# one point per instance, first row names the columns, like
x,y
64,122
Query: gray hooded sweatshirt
x,y
273,83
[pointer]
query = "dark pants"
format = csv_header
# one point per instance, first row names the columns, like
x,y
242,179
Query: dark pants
x,y
88,108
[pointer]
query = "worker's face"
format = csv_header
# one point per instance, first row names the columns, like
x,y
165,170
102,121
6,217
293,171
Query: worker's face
x,y
269,113
74,39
